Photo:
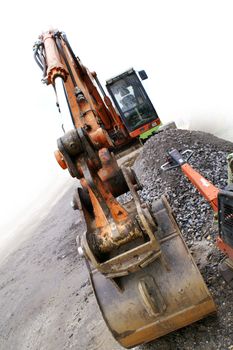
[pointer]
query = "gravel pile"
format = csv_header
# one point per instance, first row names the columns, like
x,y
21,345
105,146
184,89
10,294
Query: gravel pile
x,y
195,218
191,210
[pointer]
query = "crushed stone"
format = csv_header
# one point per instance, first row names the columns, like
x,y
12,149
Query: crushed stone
x,y
196,221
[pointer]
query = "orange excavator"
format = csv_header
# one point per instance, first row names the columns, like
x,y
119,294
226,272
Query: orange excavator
x,y
144,278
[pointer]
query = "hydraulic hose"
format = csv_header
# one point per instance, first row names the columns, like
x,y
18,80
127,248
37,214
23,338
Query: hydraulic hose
x,y
60,49
36,57
64,37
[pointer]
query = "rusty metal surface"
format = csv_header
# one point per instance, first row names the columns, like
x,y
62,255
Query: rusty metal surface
x,y
159,298
54,63
128,259
226,270
137,229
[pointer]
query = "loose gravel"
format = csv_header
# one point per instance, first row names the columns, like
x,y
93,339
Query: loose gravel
x,y
195,218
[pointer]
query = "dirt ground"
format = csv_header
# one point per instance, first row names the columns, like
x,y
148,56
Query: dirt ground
x,y
47,303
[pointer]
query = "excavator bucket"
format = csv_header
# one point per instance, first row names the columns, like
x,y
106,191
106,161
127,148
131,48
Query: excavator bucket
x,y
165,295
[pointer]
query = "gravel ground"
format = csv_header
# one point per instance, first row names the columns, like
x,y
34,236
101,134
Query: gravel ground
x,y
195,218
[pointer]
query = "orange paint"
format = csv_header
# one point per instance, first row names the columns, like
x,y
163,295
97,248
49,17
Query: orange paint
x,y
206,188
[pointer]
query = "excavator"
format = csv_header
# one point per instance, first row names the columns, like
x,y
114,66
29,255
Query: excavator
x,y
144,278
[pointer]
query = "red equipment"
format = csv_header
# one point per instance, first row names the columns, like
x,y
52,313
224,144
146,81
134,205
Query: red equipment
x,y
220,200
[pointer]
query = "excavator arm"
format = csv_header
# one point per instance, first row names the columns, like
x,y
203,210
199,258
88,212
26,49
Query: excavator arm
x,y
135,254
85,152
87,108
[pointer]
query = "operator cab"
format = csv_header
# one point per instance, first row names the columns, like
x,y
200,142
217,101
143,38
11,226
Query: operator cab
x,y
132,102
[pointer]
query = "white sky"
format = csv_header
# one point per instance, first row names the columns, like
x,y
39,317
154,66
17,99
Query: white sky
x,y
185,47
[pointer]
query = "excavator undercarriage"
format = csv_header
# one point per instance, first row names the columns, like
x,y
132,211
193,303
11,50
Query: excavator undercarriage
x,y
145,280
